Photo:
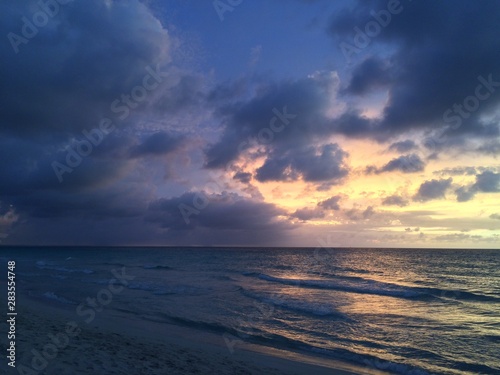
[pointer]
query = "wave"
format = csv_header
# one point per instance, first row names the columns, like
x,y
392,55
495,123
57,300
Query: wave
x,y
369,287
49,266
59,277
233,335
113,264
224,278
204,326
365,286
167,290
459,295
153,267
249,273
476,368
492,338
313,308
55,297
148,287
97,281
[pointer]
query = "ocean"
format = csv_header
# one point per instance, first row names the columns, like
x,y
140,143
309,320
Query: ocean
x,y
406,311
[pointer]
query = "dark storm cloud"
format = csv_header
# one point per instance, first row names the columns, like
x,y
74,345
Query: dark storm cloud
x,y
370,74
216,212
157,144
406,164
66,78
93,60
287,115
353,124
116,202
64,82
403,146
433,189
394,200
281,117
432,67
295,105
243,177
26,169
324,163
28,183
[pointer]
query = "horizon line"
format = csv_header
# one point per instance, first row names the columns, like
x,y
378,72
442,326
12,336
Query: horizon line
x,y
240,247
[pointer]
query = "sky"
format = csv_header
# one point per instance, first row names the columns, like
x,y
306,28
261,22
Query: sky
x,y
250,123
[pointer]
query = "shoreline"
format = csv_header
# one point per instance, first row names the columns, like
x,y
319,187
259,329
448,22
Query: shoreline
x,y
118,345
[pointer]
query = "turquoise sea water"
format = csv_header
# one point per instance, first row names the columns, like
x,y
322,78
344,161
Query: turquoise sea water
x,y
407,311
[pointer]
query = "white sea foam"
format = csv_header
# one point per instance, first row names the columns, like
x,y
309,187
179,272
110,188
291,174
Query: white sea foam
x,y
289,303
369,287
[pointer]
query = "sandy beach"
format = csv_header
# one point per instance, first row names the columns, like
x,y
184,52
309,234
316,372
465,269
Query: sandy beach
x,y
112,345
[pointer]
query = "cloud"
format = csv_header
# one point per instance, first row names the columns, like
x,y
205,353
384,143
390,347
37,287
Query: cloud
x,y
157,144
457,171
312,164
218,212
417,101
490,148
371,74
287,113
353,124
27,170
306,214
433,189
320,211
394,200
63,82
486,182
412,230
59,87
355,214
464,194
369,212
243,177
457,237
286,126
331,203
495,216
403,146
8,217
405,164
